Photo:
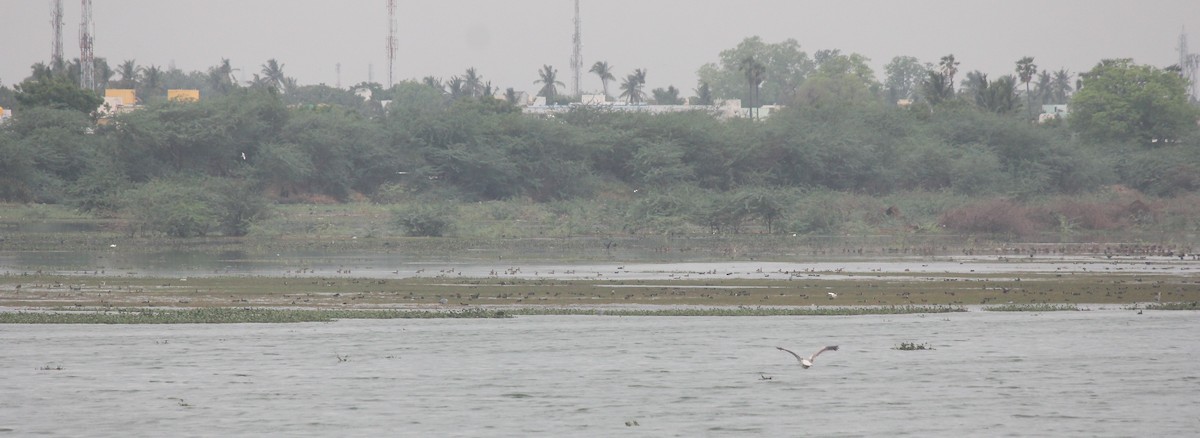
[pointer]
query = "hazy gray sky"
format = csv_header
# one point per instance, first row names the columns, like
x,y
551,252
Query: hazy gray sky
x,y
509,40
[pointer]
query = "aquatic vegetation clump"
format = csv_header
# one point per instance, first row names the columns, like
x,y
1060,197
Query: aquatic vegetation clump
x,y
1037,307
741,311
1194,305
912,346
221,315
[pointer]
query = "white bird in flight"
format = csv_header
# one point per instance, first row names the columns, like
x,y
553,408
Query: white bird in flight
x,y
808,362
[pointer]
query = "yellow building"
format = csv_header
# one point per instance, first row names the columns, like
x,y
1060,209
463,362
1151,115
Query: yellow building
x,y
121,96
183,95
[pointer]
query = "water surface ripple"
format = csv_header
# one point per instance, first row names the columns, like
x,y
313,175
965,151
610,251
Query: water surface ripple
x,y
1093,373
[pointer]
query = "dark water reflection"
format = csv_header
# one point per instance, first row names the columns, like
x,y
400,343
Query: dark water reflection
x,y
1095,373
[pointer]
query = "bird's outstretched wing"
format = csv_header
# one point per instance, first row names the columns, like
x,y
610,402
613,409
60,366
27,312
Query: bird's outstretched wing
x,y
818,353
791,352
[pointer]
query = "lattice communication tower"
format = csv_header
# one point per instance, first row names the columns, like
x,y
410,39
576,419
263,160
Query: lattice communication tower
x,y
56,23
87,60
577,54
1189,65
392,43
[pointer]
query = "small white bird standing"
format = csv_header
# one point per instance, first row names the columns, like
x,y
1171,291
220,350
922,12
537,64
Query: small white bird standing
x,y
243,156
831,295
808,362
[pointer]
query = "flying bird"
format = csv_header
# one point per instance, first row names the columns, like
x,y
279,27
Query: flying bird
x,y
808,362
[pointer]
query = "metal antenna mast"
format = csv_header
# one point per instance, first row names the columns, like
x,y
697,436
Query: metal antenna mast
x,y
391,43
87,61
56,23
1189,64
577,54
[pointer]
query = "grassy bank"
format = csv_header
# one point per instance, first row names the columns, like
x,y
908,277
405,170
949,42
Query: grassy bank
x,y
446,292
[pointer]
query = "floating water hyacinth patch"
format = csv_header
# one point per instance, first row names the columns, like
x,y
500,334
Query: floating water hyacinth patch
x,y
912,346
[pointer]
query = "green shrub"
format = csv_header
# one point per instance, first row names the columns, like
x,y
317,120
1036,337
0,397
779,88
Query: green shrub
x,y
423,220
175,208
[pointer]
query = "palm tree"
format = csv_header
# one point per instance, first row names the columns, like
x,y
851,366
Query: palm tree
x,y
549,81
1043,87
510,95
457,87
151,84
434,82
631,89
936,88
104,73
129,74
640,74
472,83
604,71
1060,86
228,69
220,77
974,83
1025,70
755,73
273,74
995,96
949,67
1001,95
290,84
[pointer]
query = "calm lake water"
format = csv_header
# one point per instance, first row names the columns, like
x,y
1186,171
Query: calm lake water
x,y
1092,373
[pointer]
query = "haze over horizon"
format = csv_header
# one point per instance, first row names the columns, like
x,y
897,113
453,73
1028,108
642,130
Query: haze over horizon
x,y
509,41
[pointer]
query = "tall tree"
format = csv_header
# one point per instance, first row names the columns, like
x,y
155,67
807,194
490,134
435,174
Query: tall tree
x,y
605,73
640,74
1124,101
998,96
1060,87
56,92
472,83
104,72
434,82
549,81
936,88
41,71
220,77
457,87
129,74
904,76
272,73
756,74
787,68
704,94
1026,69
668,96
631,88
151,85
1042,89
840,80
949,67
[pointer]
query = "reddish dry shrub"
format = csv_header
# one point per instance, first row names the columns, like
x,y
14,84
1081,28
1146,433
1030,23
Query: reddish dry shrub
x,y
995,216
1088,215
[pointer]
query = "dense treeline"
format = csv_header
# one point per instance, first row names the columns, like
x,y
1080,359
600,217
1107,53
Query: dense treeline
x,y
192,168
